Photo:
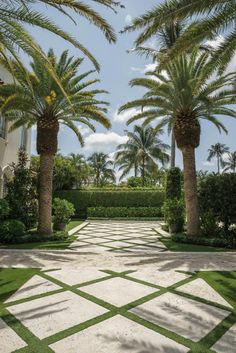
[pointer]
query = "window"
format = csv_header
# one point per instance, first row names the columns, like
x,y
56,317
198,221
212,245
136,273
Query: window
x,y
23,142
2,127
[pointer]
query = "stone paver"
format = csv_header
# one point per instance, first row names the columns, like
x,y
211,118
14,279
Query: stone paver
x,y
49,315
186,317
227,343
35,286
160,278
200,288
118,291
118,335
9,340
77,276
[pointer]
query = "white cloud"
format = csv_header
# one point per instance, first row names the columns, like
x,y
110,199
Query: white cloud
x,y
84,130
128,19
125,116
209,163
103,142
143,70
214,43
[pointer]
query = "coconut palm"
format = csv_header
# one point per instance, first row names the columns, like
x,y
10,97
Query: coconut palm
x,y
214,17
100,163
180,102
230,163
15,13
42,103
143,150
218,151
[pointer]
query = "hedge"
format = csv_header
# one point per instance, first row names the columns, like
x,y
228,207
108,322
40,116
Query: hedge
x,y
229,242
83,199
124,212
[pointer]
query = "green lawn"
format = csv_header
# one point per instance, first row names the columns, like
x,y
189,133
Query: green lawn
x,y
180,247
48,245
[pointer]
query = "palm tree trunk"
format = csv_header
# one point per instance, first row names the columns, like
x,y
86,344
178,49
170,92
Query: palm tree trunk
x,y
45,193
190,188
218,164
173,150
143,172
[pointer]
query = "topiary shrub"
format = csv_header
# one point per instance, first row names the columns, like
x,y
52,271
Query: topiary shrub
x,y
4,209
217,196
62,212
11,230
173,183
174,214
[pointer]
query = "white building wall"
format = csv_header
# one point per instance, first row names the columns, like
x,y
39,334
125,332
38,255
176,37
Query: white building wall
x,y
10,145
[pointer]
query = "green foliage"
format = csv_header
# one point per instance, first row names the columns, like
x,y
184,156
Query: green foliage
x,y
4,209
62,210
173,210
209,225
229,242
124,212
112,198
173,183
11,230
217,196
134,182
103,169
21,192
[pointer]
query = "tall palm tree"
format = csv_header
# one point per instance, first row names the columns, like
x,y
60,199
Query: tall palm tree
x,y
230,164
15,13
166,37
180,102
218,151
142,150
214,17
101,165
42,103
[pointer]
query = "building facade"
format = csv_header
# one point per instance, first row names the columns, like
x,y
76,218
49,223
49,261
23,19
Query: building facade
x,y
10,142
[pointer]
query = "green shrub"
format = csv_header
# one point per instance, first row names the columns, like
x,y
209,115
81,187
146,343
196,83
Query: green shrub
x,y
217,195
173,210
173,183
11,230
82,200
209,225
229,242
4,209
62,211
124,212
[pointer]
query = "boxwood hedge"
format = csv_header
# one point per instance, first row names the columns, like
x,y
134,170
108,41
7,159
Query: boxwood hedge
x,y
83,199
124,212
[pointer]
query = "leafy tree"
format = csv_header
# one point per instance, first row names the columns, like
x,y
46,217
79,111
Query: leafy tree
x,y
218,151
15,13
101,164
180,102
42,103
213,17
21,192
230,164
142,150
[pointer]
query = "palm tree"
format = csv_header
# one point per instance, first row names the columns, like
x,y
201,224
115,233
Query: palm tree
x,y
218,151
15,13
167,36
180,101
230,164
142,150
43,103
214,17
101,165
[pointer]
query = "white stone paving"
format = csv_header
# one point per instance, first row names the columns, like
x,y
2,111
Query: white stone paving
x,y
161,278
118,335
200,288
49,315
9,340
186,317
36,285
227,343
118,291
77,276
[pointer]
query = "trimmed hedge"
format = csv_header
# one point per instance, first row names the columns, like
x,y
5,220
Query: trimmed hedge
x,y
229,242
84,199
124,212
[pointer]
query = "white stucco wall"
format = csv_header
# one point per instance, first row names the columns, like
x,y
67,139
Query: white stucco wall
x,y
10,145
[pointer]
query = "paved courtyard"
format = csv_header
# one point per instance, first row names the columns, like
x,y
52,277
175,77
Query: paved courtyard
x,y
117,290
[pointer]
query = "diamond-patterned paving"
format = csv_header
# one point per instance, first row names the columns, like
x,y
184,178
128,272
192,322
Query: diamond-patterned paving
x,y
119,236
109,310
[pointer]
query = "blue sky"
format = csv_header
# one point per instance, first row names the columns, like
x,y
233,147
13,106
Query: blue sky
x,y
117,68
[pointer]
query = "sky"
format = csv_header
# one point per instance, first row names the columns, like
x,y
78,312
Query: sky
x,y
117,68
